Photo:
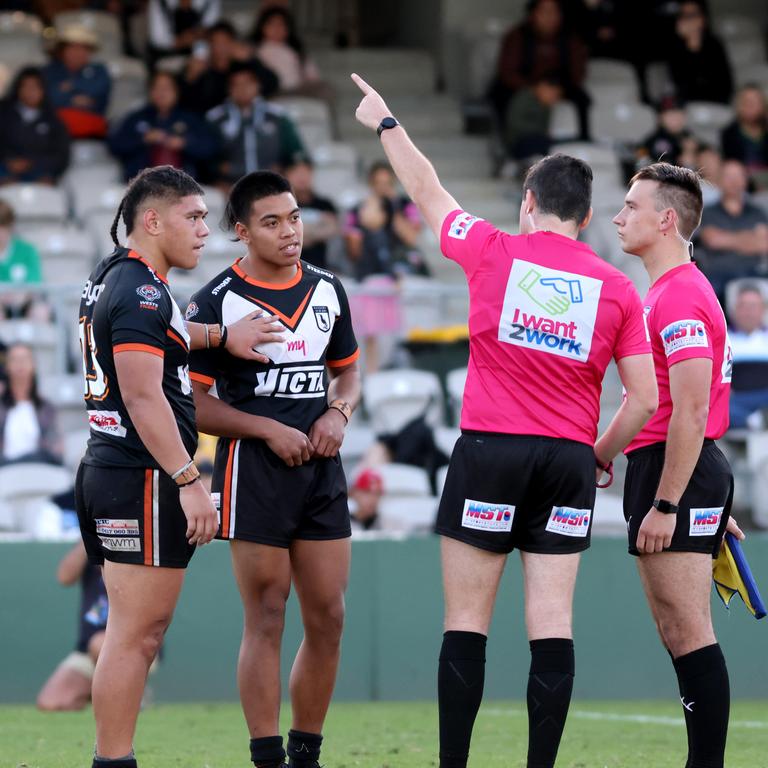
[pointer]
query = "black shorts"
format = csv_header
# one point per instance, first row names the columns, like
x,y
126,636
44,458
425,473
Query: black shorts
x,y
131,516
704,508
532,493
261,499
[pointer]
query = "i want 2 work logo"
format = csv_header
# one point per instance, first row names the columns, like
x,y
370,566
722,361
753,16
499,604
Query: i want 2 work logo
x,y
550,310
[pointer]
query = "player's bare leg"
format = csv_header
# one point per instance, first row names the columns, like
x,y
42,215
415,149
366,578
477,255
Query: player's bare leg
x,y
141,604
470,582
66,690
320,574
263,577
677,585
549,584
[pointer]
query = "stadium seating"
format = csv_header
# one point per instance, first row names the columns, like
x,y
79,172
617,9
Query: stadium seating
x,y
65,392
454,384
393,398
90,199
407,514
602,159
564,122
621,122
106,26
36,203
608,79
20,39
403,480
24,490
46,339
707,119
312,118
66,254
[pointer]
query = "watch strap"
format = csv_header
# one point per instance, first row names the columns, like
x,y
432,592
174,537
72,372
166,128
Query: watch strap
x,y
666,507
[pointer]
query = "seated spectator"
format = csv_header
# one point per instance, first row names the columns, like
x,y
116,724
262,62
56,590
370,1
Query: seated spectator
x,y
255,135
709,164
746,138
540,63
734,232
749,346
319,215
34,143
364,496
671,142
162,134
19,267
78,88
175,26
28,430
697,60
204,82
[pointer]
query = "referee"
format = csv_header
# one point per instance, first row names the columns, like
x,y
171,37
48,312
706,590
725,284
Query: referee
x,y
547,315
679,486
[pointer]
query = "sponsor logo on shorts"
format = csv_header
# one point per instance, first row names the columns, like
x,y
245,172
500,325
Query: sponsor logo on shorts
x,y
192,310
705,521
461,225
114,527
108,422
569,521
682,334
484,516
120,544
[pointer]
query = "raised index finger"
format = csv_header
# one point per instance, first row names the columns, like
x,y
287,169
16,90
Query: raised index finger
x,y
361,84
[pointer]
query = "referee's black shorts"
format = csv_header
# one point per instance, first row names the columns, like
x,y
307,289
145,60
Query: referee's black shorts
x,y
525,492
704,507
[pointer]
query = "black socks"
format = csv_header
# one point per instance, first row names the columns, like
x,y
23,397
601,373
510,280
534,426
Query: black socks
x,y
550,683
129,761
706,699
460,680
268,752
303,749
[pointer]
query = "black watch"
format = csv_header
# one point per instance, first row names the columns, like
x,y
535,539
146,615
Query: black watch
x,y
387,122
666,507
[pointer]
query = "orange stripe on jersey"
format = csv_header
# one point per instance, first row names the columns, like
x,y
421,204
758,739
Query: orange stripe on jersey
x,y
344,361
148,517
227,502
238,270
201,379
138,348
292,321
175,336
134,255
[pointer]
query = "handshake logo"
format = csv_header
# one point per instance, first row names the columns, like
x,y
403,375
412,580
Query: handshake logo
x,y
554,294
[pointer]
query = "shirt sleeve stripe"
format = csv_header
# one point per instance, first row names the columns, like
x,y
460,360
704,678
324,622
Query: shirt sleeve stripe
x,y
344,361
201,379
172,335
138,348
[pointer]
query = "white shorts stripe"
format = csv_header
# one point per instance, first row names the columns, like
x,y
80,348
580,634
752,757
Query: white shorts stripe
x,y
233,491
155,517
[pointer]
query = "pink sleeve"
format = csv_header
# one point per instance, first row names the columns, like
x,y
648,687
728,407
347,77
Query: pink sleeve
x,y
633,337
464,238
684,326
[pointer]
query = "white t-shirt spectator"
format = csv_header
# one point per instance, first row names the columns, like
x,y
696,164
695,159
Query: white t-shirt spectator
x,y
22,431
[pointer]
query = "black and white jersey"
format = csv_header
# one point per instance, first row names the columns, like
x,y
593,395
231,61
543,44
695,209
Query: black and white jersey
x,y
292,388
126,306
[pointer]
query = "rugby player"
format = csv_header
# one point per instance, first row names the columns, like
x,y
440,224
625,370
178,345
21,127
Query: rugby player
x,y
546,317
141,507
278,478
679,486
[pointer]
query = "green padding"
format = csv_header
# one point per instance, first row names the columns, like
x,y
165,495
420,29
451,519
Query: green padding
x,y
394,627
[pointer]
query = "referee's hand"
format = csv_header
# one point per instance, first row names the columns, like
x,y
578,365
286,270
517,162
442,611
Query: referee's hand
x,y
372,109
655,533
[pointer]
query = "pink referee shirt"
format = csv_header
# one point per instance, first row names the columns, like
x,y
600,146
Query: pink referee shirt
x,y
546,317
685,321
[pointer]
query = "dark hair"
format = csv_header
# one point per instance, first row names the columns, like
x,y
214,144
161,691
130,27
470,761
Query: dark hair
x,y
562,186
750,288
678,188
34,394
379,165
250,188
164,182
7,214
157,74
222,26
23,74
244,66
293,37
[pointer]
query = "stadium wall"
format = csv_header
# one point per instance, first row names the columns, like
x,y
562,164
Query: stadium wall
x,y
393,630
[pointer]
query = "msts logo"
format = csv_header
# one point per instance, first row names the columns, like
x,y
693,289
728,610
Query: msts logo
x,y
569,521
485,516
682,334
461,225
705,521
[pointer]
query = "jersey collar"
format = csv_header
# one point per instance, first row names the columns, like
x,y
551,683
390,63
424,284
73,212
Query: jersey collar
x,y
237,269
134,255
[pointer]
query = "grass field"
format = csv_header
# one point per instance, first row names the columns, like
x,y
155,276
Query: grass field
x,y
387,735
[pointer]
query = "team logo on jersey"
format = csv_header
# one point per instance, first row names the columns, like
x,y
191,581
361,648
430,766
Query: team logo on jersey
x,y
683,334
705,521
461,225
484,516
569,521
323,318
192,310
149,292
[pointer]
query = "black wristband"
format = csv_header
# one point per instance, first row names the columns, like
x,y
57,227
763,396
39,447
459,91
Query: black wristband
x,y
666,507
194,480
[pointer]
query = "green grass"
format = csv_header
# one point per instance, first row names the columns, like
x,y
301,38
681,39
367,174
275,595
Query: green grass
x,y
644,734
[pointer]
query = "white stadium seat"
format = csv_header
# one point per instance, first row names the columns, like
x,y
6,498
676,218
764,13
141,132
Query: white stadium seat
x,y
407,514
706,119
622,122
21,38
603,160
564,121
67,255
335,155
455,382
46,339
36,203
106,26
606,77
403,480
312,118
86,152
97,199
24,490
393,398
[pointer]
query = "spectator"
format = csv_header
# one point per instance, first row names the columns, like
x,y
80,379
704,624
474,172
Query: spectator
x,y
671,142
540,64
698,63
162,134
175,26
746,138
204,83
255,135
77,87
34,143
19,268
749,346
319,215
709,164
364,497
734,232
28,430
